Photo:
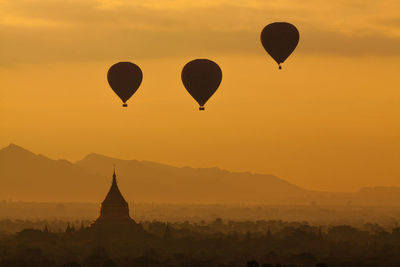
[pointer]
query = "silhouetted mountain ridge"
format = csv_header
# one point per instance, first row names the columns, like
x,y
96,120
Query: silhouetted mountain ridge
x,y
190,184
31,177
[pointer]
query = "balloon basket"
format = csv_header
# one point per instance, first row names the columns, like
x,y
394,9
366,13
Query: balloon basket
x,y
202,108
124,105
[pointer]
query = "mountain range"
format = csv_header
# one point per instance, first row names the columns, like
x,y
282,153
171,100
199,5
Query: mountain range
x,y
27,176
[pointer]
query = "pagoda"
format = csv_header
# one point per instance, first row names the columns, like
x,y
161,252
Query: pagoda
x,y
114,211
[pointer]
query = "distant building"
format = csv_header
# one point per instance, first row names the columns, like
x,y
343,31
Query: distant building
x,y
114,212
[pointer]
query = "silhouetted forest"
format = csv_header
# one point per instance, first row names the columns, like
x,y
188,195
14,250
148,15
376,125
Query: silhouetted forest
x,y
214,243
314,213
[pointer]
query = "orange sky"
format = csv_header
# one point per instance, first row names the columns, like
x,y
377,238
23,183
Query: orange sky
x,y
328,121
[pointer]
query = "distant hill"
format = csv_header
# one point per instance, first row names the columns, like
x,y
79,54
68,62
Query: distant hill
x,y
30,177
158,182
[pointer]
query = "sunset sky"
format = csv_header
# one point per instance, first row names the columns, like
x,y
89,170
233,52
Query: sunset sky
x,y
330,120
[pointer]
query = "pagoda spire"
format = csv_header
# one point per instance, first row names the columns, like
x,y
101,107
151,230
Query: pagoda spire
x,y
114,176
68,230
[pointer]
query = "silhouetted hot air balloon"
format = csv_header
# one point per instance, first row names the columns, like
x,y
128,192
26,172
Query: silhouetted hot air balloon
x,y
124,78
279,40
201,78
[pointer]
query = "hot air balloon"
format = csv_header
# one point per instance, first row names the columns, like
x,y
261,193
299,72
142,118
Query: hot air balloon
x,y
124,78
279,40
201,78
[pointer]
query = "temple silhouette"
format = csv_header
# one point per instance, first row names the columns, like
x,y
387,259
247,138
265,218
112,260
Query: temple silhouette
x,y
114,211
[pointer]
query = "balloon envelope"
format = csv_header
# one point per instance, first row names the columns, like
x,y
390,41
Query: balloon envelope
x,y
279,40
201,78
124,78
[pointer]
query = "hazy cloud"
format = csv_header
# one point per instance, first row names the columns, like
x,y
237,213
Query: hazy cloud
x,y
70,30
